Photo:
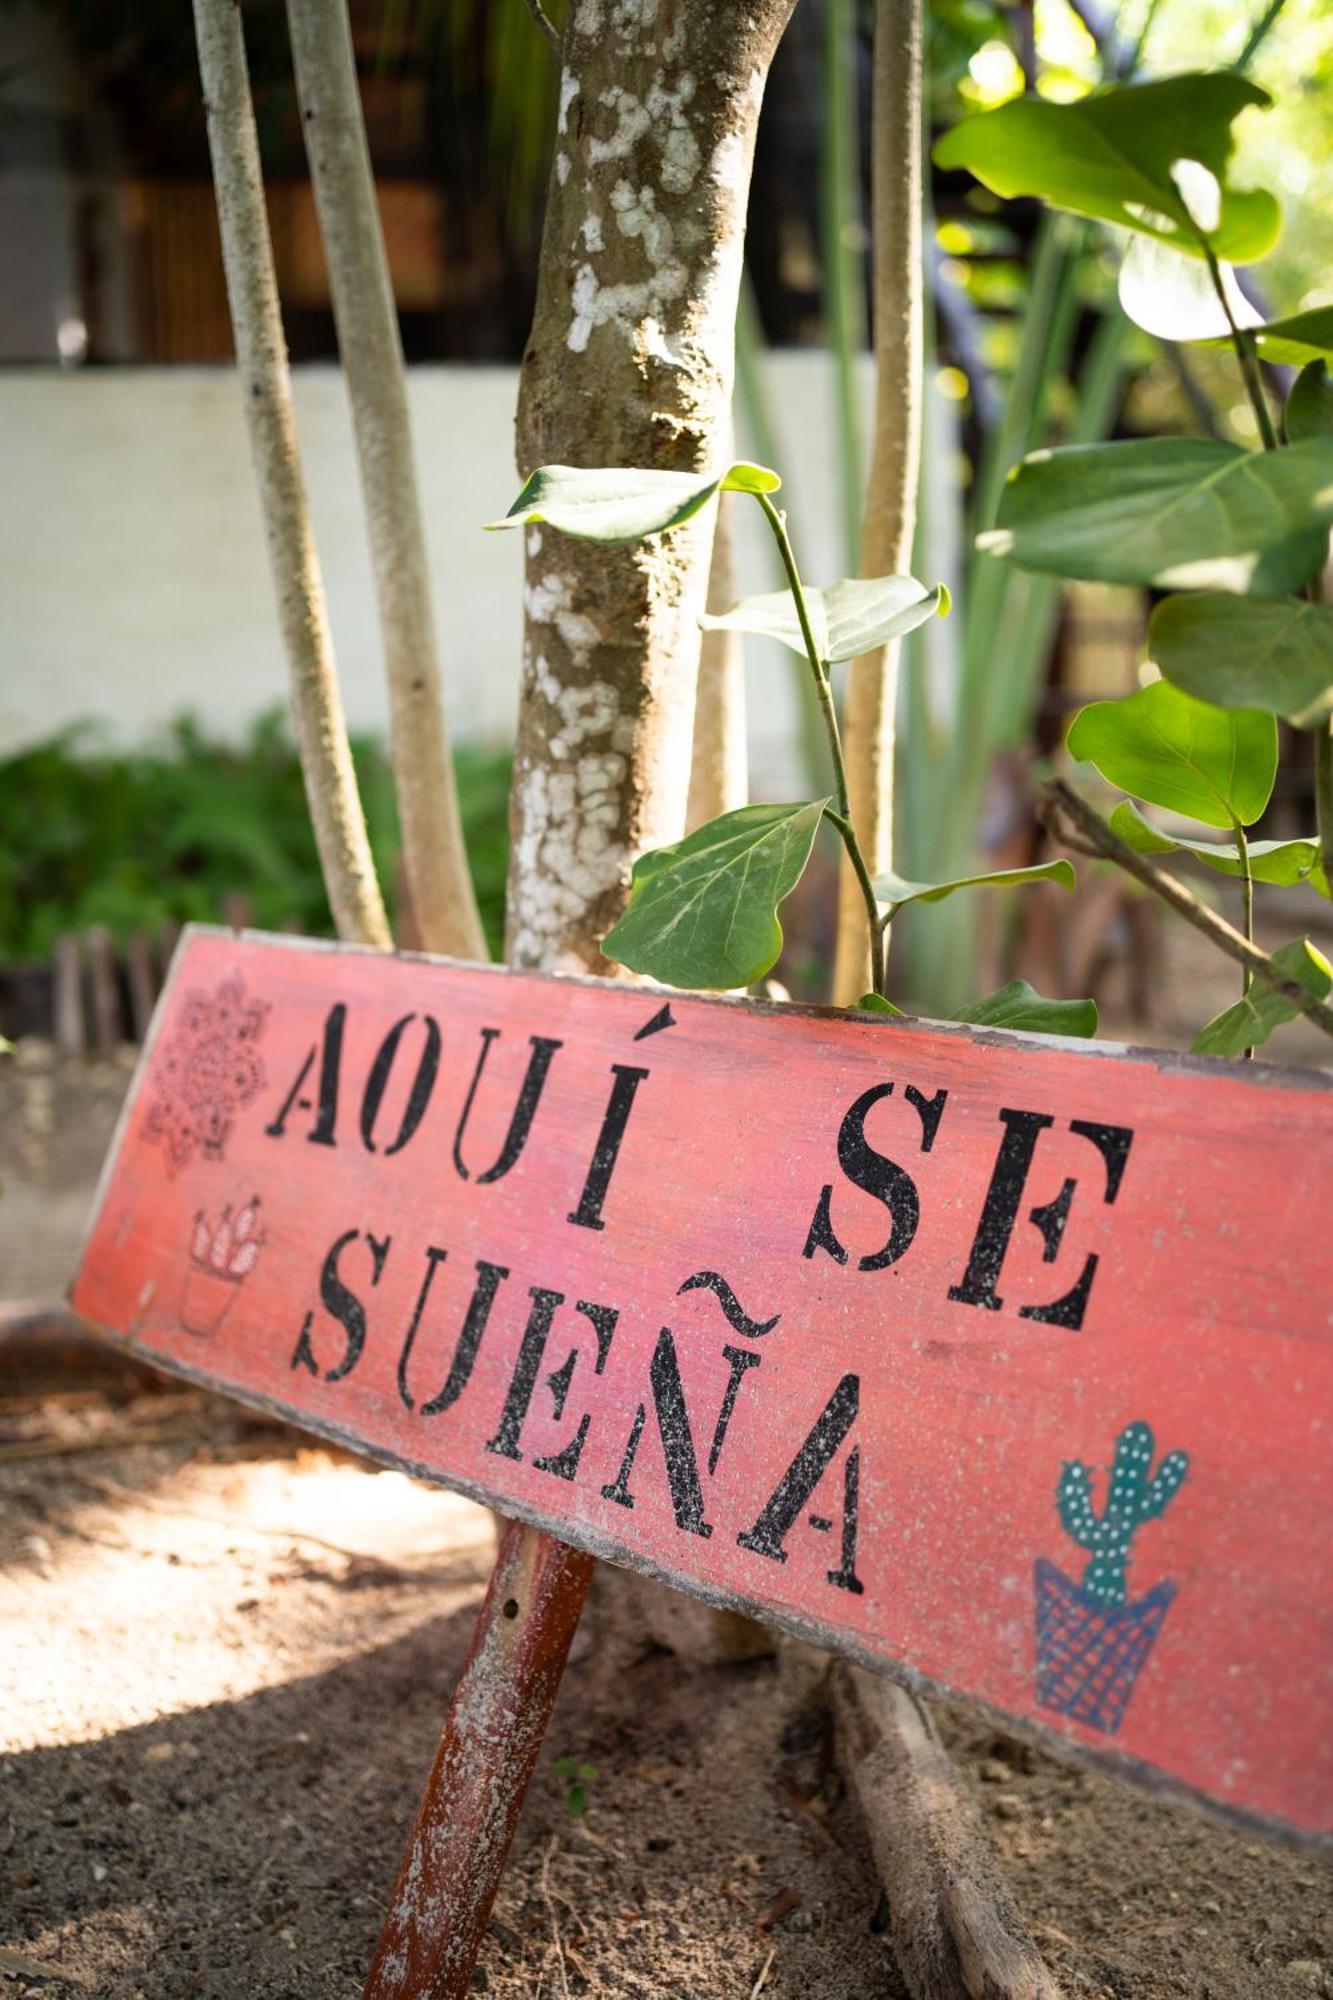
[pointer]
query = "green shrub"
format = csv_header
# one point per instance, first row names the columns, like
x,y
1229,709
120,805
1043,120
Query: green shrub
x,y
90,833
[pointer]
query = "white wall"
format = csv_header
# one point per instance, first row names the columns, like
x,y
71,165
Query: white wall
x,y
133,576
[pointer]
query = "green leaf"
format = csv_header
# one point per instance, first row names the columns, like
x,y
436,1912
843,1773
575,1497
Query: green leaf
x,y
1309,411
1297,339
875,1003
1248,652
1020,1006
1284,862
1184,513
846,619
1132,156
623,504
1252,1020
1172,297
704,912
1213,764
894,890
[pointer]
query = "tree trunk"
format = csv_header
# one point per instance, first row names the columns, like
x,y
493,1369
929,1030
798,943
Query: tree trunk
x,y
629,363
434,856
261,356
886,536
720,767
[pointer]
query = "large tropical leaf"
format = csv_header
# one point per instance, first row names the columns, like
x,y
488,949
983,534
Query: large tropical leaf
x,y
1153,157
1020,1006
1214,764
846,619
893,890
704,912
1183,513
1285,862
1309,411
1248,652
623,504
1253,1018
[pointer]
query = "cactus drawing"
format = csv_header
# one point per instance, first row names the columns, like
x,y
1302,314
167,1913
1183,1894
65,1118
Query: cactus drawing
x,y
222,1256
1135,1496
1092,1640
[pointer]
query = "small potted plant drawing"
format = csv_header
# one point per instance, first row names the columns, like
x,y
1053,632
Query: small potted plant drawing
x,y
1092,1638
222,1256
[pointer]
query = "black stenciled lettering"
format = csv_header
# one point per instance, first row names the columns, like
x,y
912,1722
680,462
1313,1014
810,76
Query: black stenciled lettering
x,y
329,1053
563,1464
778,1515
673,1427
741,1359
879,1176
343,1305
588,1214
1004,1198
489,1279
1112,1142
423,1083
525,1109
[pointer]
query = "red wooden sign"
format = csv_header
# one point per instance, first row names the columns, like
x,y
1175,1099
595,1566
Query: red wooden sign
x,y
1000,1362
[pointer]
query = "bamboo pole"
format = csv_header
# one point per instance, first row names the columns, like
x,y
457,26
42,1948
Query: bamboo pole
x,y
890,516
719,766
434,855
261,355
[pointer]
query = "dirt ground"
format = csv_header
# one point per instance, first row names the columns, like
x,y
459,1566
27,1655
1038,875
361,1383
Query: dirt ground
x,y
225,1654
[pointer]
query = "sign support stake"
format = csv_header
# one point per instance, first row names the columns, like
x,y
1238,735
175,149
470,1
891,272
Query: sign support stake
x,y
488,1750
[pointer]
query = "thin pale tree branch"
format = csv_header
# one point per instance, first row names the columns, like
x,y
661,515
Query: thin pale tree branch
x,y
261,355
443,904
890,516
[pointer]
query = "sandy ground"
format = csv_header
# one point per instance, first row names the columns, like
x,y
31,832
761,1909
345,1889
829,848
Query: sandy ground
x,y
224,1657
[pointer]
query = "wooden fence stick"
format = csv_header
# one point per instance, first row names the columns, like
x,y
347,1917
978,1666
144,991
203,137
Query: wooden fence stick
x,y
492,1739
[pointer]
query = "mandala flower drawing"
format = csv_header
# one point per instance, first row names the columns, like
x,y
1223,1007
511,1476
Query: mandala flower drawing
x,y
207,1069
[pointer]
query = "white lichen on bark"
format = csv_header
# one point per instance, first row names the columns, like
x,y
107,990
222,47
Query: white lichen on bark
x,y
629,363
261,356
443,904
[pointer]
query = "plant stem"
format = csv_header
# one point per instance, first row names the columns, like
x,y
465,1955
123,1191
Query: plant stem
x,y
1257,34
1079,826
1323,793
1245,353
1247,911
842,818
878,924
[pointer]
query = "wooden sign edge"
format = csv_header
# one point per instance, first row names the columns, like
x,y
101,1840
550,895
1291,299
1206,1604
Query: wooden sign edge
x,y
1066,1748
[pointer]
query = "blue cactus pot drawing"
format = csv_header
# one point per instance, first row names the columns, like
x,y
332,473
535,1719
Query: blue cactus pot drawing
x,y
1092,1638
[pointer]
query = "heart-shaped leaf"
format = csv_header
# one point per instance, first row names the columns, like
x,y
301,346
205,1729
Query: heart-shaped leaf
x,y
1184,513
1020,1006
1248,652
1285,862
704,912
1173,297
1213,764
1309,411
894,890
623,504
846,619
1253,1018
1153,157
